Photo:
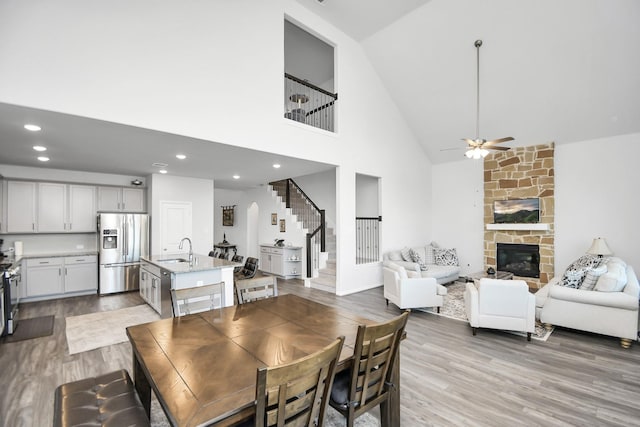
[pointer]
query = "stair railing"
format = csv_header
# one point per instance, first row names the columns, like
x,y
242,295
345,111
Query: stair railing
x,y
311,216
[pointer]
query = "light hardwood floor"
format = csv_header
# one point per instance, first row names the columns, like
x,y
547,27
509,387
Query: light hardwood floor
x,y
448,377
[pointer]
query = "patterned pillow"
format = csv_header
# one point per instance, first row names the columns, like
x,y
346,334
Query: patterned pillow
x,y
445,256
415,257
574,275
592,276
405,253
430,258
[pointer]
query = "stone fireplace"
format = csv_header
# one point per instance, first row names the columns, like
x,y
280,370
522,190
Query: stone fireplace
x,y
522,172
521,260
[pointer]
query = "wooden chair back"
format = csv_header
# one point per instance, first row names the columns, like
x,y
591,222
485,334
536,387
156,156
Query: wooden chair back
x,y
296,394
197,299
375,352
256,288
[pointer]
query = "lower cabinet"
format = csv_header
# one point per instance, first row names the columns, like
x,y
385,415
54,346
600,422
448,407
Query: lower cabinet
x,y
150,285
58,276
285,262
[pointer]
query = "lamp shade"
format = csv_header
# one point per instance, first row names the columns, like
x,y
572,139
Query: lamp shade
x,y
599,247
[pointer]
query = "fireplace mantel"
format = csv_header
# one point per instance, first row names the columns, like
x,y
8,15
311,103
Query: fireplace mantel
x,y
531,227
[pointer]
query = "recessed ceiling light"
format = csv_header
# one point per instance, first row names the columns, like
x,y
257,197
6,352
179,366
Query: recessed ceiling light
x,y
159,165
43,158
181,156
163,171
32,128
276,165
236,176
39,148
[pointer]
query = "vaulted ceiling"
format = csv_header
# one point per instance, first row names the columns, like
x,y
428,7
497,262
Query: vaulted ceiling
x,y
549,71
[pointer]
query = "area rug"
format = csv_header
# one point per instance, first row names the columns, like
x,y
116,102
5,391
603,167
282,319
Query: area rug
x,y
27,329
95,330
453,308
332,417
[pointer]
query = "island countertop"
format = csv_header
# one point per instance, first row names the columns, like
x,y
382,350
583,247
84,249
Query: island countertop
x,y
200,263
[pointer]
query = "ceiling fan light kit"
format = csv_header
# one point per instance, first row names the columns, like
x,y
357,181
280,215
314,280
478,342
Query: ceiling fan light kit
x,y
479,148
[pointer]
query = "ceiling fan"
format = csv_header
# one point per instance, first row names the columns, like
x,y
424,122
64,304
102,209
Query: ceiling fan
x,y
479,147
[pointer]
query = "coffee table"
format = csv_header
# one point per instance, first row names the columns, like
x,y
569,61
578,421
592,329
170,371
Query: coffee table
x,y
501,275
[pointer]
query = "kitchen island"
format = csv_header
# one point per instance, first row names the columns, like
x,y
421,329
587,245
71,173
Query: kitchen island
x,y
161,273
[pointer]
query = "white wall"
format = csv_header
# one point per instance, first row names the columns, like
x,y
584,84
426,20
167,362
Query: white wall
x,y
202,69
367,196
596,188
458,200
597,196
180,189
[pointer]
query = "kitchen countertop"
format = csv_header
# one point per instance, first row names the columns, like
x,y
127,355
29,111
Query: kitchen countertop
x,y
17,259
200,263
271,245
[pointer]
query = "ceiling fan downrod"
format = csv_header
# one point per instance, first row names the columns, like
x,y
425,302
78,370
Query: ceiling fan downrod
x,y
477,44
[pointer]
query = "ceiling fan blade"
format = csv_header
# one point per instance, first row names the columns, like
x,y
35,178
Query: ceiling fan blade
x,y
456,148
497,147
498,141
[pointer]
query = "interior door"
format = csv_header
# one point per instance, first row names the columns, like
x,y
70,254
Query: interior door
x,y
175,223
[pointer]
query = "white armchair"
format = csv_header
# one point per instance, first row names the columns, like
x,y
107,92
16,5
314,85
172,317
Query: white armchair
x,y
501,304
417,292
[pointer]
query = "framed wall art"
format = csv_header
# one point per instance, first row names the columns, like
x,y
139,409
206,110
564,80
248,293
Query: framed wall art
x,y
282,226
227,215
274,219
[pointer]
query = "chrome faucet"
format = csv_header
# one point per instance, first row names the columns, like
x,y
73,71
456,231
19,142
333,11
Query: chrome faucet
x,y
190,248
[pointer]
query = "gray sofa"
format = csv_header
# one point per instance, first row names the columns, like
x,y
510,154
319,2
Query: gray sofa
x,y
442,273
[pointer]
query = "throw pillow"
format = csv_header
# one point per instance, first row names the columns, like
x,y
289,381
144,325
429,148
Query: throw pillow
x,y
395,256
430,258
445,256
404,252
574,274
592,276
415,257
614,280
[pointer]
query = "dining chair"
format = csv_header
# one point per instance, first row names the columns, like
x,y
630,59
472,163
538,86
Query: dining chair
x,y
213,254
197,299
224,255
237,258
296,393
366,385
256,288
249,270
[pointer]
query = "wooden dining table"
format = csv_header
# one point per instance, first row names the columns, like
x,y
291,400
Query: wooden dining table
x,y
202,367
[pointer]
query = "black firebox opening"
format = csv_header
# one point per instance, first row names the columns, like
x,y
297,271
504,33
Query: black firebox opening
x,y
521,260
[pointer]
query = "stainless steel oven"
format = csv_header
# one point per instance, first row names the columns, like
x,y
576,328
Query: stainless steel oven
x,y
11,281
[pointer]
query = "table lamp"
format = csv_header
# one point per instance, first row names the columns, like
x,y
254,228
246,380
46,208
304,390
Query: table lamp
x,y
599,247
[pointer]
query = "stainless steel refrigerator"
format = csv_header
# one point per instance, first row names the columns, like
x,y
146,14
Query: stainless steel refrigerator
x,y
122,238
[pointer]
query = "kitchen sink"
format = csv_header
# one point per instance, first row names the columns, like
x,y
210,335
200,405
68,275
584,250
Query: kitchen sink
x,y
173,260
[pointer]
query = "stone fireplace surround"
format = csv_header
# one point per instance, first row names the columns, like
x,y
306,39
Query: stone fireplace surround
x,y
521,172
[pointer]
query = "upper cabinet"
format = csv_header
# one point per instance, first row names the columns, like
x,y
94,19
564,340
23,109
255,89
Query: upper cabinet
x,y
65,208
21,207
121,199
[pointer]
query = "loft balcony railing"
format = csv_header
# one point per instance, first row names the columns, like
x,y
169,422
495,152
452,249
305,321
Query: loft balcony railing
x,y
367,239
309,104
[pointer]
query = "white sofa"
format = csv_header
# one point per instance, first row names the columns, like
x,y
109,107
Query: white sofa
x,y
500,304
605,311
442,273
416,292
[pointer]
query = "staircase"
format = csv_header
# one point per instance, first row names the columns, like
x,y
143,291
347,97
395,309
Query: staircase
x,y
326,279
323,272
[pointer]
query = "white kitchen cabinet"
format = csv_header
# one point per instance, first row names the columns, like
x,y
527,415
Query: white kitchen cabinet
x,y
21,207
44,277
52,207
3,206
80,273
58,276
82,208
285,262
121,199
150,285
